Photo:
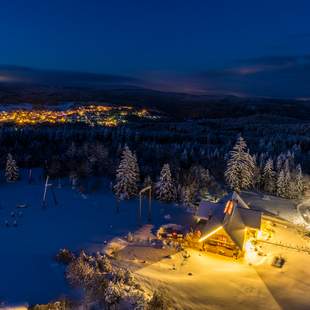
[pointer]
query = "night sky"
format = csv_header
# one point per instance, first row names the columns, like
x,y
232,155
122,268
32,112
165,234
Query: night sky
x,y
246,48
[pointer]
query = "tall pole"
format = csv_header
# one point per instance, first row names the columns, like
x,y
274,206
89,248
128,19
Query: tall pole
x,y
150,205
47,185
148,188
140,208
45,191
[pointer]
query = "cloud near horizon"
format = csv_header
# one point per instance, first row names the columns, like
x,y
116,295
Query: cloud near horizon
x,y
22,74
277,76
273,76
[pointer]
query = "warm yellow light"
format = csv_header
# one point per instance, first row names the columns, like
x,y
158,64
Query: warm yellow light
x,y
210,234
259,234
89,115
249,247
251,255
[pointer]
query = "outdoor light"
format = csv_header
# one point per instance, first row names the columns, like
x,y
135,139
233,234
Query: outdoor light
x,y
210,234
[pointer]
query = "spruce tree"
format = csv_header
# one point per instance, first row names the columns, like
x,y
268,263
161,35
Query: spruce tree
x,y
287,180
127,175
279,162
186,196
240,167
165,187
299,181
136,168
281,186
257,175
269,177
11,170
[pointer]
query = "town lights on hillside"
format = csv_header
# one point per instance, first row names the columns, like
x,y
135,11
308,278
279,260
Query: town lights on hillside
x,y
93,115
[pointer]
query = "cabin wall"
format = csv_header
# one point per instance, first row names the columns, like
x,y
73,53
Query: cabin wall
x,y
221,243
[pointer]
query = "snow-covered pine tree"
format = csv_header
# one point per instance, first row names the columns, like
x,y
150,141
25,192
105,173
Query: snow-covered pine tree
x,y
114,293
165,187
257,175
287,180
126,175
280,162
249,171
299,181
185,196
11,170
269,177
240,167
262,158
290,156
281,186
199,175
205,177
136,168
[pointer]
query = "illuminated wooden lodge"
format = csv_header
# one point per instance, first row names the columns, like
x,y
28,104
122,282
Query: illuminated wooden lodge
x,y
225,227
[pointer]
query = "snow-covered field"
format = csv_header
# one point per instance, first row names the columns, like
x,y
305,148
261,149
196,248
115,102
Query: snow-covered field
x,y
28,271
290,284
209,281
202,281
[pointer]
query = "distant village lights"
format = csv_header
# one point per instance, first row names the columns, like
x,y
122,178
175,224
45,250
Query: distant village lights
x,y
93,115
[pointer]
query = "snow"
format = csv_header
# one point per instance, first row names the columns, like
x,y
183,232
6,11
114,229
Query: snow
x,y
30,275
284,208
28,271
304,210
289,284
165,186
127,175
240,166
209,281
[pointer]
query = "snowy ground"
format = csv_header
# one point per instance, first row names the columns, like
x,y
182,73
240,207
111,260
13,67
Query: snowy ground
x,y
203,281
208,281
290,284
304,210
28,271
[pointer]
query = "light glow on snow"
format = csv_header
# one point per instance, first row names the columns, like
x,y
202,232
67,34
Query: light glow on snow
x,y
210,234
251,255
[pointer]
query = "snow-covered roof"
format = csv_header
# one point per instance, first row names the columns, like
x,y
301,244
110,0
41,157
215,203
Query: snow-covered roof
x,y
207,209
240,219
262,202
281,208
234,223
251,218
235,227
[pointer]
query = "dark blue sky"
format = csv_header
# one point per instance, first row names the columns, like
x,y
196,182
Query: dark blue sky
x,y
259,48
